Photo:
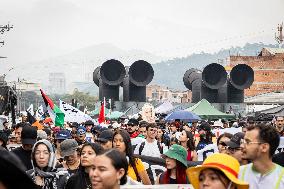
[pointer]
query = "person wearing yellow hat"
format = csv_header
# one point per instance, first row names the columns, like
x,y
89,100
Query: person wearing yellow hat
x,y
218,171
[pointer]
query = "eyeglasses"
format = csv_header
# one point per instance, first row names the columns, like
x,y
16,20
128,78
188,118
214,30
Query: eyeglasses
x,y
249,142
232,150
153,130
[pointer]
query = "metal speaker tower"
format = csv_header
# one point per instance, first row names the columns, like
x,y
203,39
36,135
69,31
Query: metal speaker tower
x,y
214,76
109,77
139,74
192,81
241,77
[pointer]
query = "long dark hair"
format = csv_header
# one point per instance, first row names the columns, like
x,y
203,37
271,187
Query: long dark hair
x,y
190,142
180,174
128,149
81,171
118,160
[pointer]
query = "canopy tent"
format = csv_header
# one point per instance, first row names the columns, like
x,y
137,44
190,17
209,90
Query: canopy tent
x,y
97,111
164,107
206,111
114,115
276,111
269,114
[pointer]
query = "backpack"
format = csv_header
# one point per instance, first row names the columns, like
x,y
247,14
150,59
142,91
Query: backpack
x,y
141,147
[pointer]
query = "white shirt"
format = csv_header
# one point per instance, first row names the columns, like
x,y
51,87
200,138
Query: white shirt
x,y
150,149
272,180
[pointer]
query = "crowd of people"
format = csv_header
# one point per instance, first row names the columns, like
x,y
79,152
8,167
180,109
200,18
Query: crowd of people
x,y
85,155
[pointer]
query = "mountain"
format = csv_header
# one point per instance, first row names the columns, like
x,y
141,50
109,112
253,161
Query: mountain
x,y
170,73
79,65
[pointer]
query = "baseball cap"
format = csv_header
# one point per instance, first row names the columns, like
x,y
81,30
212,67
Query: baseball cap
x,y
133,122
105,136
62,135
235,141
81,130
29,135
68,147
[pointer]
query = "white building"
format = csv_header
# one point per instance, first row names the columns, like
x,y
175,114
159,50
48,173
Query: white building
x,y
56,83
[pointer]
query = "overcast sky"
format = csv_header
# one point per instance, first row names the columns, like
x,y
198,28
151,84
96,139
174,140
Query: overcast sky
x,y
173,28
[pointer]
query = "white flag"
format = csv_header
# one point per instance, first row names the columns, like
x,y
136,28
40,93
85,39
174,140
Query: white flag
x,y
73,114
31,109
39,112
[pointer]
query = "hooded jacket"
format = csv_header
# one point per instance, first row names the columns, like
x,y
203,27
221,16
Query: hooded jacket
x,y
53,178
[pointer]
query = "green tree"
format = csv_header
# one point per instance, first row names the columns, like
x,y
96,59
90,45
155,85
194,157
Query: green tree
x,y
83,99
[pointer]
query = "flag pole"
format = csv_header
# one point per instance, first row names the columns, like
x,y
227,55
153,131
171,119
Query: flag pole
x,y
104,109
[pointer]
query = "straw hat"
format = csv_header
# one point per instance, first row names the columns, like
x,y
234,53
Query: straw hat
x,y
223,162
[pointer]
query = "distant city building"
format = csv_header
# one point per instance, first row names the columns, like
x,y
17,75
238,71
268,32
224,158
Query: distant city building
x,y
86,87
160,94
25,86
57,83
268,69
89,77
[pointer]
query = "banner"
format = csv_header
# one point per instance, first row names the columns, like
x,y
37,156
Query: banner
x,y
281,146
31,109
155,166
73,114
231,130
206,151
39,113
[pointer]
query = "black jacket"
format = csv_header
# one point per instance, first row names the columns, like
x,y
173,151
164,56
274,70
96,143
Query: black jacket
x,y
79,180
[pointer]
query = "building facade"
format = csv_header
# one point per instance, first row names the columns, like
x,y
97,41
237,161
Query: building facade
x,y
160,94
268,69
57,83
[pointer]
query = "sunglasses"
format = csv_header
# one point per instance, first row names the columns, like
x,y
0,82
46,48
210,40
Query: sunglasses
x,y
232,150
222,144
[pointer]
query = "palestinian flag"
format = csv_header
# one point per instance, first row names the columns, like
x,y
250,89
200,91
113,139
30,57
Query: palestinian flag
x,y
55,113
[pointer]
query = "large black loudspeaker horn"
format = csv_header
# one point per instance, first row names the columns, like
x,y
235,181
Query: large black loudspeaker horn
x,y
97,80
96,76
214,76
241,77
140,74
109,76
192,81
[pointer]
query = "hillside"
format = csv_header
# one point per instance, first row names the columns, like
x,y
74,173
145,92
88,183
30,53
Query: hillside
x,y
170,73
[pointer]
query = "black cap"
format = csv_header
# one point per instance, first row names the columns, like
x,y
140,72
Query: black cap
x,y
204,126
29,135
75,124
235,141
105,136
133,122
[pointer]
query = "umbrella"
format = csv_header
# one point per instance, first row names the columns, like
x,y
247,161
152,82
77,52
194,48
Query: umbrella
x,y
182,115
